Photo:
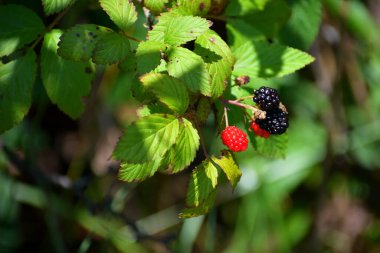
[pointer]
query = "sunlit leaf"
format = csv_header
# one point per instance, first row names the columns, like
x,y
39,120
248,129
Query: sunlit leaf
x,y
189,67
122,12
147,139
184,150
138,172
175,29
16,82
169,90
229,166
156,6
54,6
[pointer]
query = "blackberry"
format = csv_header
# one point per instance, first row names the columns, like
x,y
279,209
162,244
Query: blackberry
x,y
275,122
267,98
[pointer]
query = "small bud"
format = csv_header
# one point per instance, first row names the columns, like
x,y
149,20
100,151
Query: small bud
x,y
241,80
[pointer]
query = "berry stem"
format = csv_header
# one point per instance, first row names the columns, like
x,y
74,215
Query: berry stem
x,y
242,98
235,102
226,115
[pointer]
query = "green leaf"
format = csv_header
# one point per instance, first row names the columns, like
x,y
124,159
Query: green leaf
x,y
190,68
111,48
149,55
202,209
228,164
184,150
203,181
16,82
147,139
176,30
54,6
19,26
156,6
273,147
219,60
65,81
303,26
169,90
138,172
268,20
194,7
122,12
244,7
264,60
239,32
79,42
120,92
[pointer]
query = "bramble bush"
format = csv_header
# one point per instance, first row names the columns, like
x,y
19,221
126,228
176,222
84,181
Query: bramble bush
x,y
178,65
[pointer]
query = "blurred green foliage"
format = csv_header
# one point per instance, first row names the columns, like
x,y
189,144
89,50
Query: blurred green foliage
x,y
59,193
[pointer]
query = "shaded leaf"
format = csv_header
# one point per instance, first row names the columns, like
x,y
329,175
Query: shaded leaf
x,y
19,26
239,32
65,81
16,82
147,139
267,20
260,59
78,43
303,25
190,68
203,181
273,147
219,60
148,55
201,209
111,48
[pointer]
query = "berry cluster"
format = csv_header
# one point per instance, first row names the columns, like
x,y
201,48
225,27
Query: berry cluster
x,y
276,119
235,139
267,98
275,122
259,131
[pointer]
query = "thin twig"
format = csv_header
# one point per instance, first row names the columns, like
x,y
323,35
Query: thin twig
x,y
132,38
201,138
50,27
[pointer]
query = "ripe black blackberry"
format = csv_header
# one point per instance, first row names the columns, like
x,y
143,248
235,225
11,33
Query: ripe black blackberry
x,y
275,122
267,98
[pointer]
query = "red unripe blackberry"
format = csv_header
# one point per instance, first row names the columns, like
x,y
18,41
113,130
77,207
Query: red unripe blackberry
x,y
235,139
259,131
275,122
267,98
